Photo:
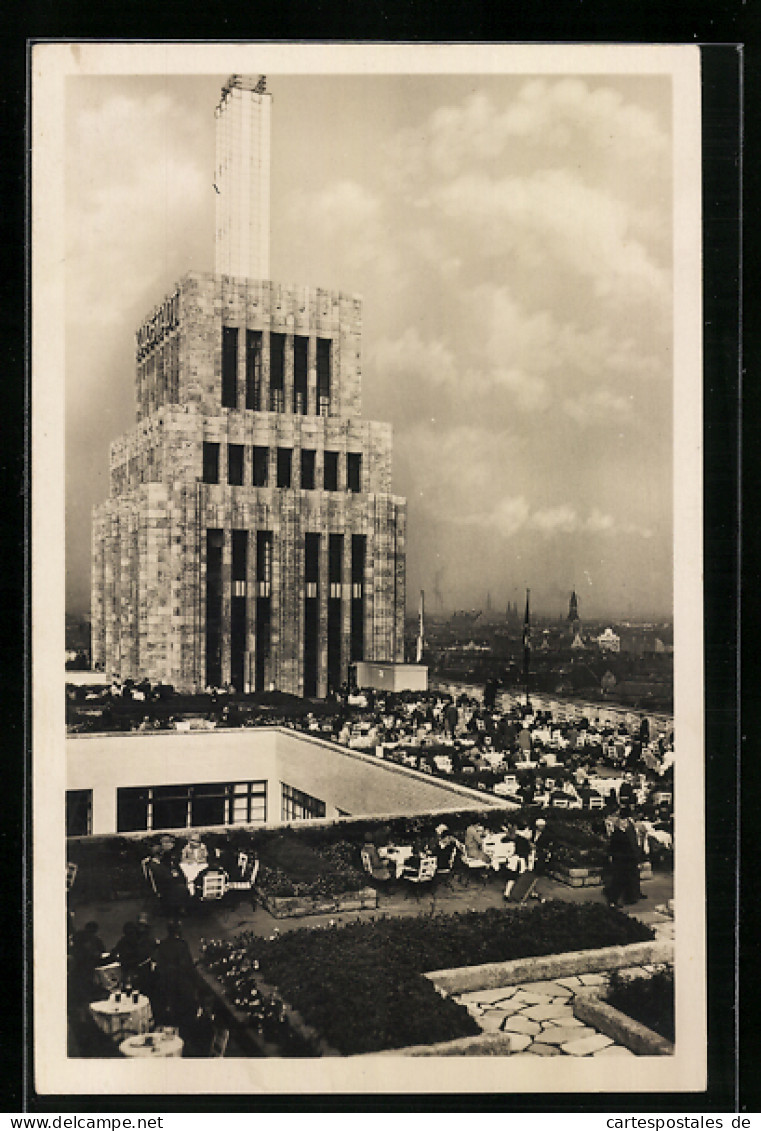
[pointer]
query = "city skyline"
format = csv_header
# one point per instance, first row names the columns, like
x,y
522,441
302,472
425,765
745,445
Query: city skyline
x,y
511,239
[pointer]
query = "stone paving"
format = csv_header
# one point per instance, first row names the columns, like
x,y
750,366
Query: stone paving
x,y
539,1016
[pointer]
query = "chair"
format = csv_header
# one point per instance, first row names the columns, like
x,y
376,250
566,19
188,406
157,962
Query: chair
x,y
148,874
213,885
445,862
560,801
247,872
71,875
424,873
594,801
219,1041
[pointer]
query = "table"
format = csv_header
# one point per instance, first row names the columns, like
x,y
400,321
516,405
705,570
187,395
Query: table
x,y
398,854
114,1017
160,1043
191,869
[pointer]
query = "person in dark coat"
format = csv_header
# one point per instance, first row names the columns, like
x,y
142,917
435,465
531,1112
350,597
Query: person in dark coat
x,y
176,993
126,954
623,856
87,952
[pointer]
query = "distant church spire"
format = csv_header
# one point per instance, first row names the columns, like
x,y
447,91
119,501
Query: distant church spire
x,y
573,608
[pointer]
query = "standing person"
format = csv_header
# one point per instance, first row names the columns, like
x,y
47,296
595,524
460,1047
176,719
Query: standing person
x,y
622,886
126,954
176,993
87,952
146,945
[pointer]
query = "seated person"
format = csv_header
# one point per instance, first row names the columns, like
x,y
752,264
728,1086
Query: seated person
x,y
474,838
514,865
195,851
444,847
379,868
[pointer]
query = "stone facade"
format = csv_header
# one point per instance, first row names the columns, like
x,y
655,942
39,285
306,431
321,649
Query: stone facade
x,y
189,467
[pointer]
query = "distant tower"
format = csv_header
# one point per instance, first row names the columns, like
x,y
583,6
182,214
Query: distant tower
x,y
573,608
242,179
575,622
421,630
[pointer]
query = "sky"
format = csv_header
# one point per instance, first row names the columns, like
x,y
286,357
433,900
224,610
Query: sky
x,y
511,238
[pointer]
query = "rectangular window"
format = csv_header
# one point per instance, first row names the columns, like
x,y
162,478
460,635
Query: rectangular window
x,y
307,469
78,812
264,562
330,471
261,466
284,456
210,462
354,471
254,369
312,557
248,802
299,806
323,375
229,366
132,809
277,372
357,626
208,804
335,559
187,806
215,540
300,348
238,610
235,465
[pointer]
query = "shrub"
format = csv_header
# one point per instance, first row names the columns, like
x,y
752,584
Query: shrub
x,y
361,985
649,1000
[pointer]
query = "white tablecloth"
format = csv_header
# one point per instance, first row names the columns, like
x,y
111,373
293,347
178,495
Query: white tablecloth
x,y
398,854
152,1044
115,1017
191,869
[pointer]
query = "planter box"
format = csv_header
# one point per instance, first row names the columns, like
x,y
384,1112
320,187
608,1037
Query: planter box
x,y
295,906
583,877
621,1028
247,1035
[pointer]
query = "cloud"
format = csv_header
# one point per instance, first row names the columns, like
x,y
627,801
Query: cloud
x,y
551,218
551,118
347,215
138,191
598,406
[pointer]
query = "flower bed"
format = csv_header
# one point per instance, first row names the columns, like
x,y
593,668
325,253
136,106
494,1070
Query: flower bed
x,y
650,1001
361,985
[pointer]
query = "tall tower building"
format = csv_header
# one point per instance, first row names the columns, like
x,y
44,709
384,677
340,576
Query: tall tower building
x,y
242,179
250,536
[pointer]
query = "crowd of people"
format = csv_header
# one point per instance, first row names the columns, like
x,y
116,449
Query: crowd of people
x,y
162,970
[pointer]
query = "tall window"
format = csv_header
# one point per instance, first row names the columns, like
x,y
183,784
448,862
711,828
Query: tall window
x,y
238,610
354,471
215,540
330,471
78,812
229,366
323,375
235,465
335,613
299,806
307,469
277,372
254,369
284,457
261,466
300,352
210,462
264,562
357,633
